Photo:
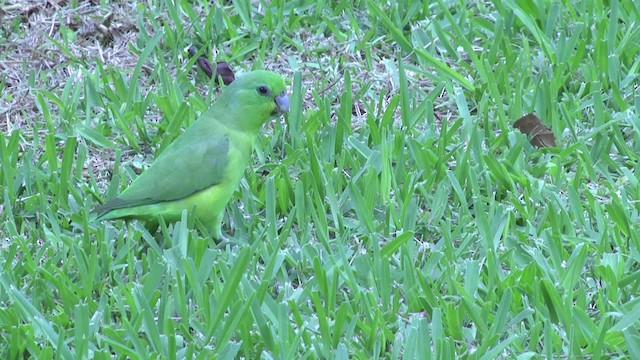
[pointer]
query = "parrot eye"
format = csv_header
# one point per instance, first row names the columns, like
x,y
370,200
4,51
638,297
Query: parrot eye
x,y
263,90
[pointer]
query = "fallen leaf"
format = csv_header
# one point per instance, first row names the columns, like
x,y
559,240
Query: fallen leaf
x,y
223,70
539,134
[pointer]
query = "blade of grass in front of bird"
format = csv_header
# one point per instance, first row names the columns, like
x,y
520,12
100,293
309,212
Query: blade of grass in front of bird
x,y
294,116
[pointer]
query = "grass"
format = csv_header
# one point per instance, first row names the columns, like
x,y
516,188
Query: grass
x,y
393,213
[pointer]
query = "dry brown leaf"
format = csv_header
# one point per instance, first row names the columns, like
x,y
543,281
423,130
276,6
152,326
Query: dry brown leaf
x,y
539,134
223,70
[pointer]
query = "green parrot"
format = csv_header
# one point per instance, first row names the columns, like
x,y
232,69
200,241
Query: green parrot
x,y
202,167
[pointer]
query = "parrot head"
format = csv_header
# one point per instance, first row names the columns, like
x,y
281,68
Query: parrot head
x,y
256,96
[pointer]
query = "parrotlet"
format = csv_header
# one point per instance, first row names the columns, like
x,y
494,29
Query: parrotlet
x,y
201,168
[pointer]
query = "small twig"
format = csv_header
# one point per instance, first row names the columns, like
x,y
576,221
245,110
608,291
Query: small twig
x,y
107,19
330,85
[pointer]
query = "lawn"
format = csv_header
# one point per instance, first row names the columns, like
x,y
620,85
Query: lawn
x,y
395,212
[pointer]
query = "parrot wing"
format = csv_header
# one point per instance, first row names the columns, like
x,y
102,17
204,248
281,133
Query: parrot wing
x,y
195,161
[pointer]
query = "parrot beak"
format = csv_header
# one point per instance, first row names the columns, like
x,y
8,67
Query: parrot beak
x,y
282,102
